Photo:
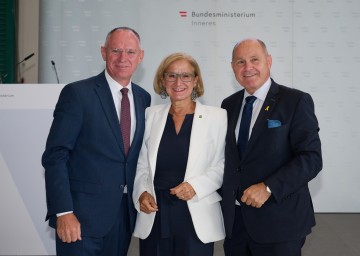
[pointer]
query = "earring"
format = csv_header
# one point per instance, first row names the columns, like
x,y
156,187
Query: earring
x,y
163,94
194,94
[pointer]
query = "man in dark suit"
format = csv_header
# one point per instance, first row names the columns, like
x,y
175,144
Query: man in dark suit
x,y
266,203
89,166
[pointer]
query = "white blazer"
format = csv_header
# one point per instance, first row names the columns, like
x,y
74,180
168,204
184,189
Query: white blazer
x,y
204,171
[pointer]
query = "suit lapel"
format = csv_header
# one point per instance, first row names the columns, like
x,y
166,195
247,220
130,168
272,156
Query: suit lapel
x,y
157,129
235,115
107,102
197,136
267,108
139,115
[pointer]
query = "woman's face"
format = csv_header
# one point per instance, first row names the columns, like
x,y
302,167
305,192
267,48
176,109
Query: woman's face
x,y
179,80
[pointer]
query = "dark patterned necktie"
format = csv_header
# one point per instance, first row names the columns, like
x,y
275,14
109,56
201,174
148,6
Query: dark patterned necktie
x,y
245,124
125,119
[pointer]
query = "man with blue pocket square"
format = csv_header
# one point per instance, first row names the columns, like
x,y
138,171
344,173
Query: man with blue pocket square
x,y
272,151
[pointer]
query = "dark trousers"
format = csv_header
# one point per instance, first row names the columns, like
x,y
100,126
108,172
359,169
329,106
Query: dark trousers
x,y
173,233
114,243
242,244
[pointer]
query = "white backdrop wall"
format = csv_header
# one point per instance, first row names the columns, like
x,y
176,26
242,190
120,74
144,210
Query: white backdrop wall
x,y
314,46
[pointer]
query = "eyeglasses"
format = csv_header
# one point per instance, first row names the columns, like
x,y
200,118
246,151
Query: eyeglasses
x,y
185,77
128,52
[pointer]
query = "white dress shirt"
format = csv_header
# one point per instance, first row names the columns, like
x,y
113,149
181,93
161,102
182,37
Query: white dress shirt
x,y
260,95
115,88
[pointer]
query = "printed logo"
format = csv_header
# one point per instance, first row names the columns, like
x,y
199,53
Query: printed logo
x,y
183,13
211,18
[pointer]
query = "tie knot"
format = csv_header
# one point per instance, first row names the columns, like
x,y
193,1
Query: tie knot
x,y
250,99
124,91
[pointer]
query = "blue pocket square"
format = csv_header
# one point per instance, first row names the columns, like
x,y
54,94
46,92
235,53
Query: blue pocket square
x,y
273,123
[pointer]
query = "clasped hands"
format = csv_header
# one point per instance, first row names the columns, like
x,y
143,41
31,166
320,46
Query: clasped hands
x,y
183,191
255,195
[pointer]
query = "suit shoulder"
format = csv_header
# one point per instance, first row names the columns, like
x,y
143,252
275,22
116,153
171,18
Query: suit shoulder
x,y
216,115
291,91
144,95
84,83
233,97
140,90
78,89
294,96
214,109
156,108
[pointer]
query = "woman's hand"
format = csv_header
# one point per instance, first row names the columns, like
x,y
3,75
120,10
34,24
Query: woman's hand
x,y
147,203
184,191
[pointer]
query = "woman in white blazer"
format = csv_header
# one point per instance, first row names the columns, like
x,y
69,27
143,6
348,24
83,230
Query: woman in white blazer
x,y
180,167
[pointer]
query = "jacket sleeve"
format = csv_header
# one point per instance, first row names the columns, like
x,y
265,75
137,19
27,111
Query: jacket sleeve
x,y
62,137
142,180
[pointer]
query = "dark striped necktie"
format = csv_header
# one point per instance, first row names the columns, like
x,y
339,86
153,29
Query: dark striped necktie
x,y
125,119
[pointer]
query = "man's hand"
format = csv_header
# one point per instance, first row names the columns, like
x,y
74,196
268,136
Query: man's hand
x,y
147,203
184,191
255,195
68,228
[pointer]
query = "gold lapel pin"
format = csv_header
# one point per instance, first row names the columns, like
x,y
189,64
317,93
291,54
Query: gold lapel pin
x,y
267,108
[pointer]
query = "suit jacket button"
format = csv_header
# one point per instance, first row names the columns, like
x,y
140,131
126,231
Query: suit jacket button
x,y
121,187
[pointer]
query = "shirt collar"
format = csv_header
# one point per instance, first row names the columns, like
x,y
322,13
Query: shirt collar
x,y
115,87
261,92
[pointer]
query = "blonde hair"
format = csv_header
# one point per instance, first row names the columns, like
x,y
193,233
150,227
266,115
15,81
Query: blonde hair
x,y
170,59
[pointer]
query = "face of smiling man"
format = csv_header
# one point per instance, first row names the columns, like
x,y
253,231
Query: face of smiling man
x,y
122,55
251,64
